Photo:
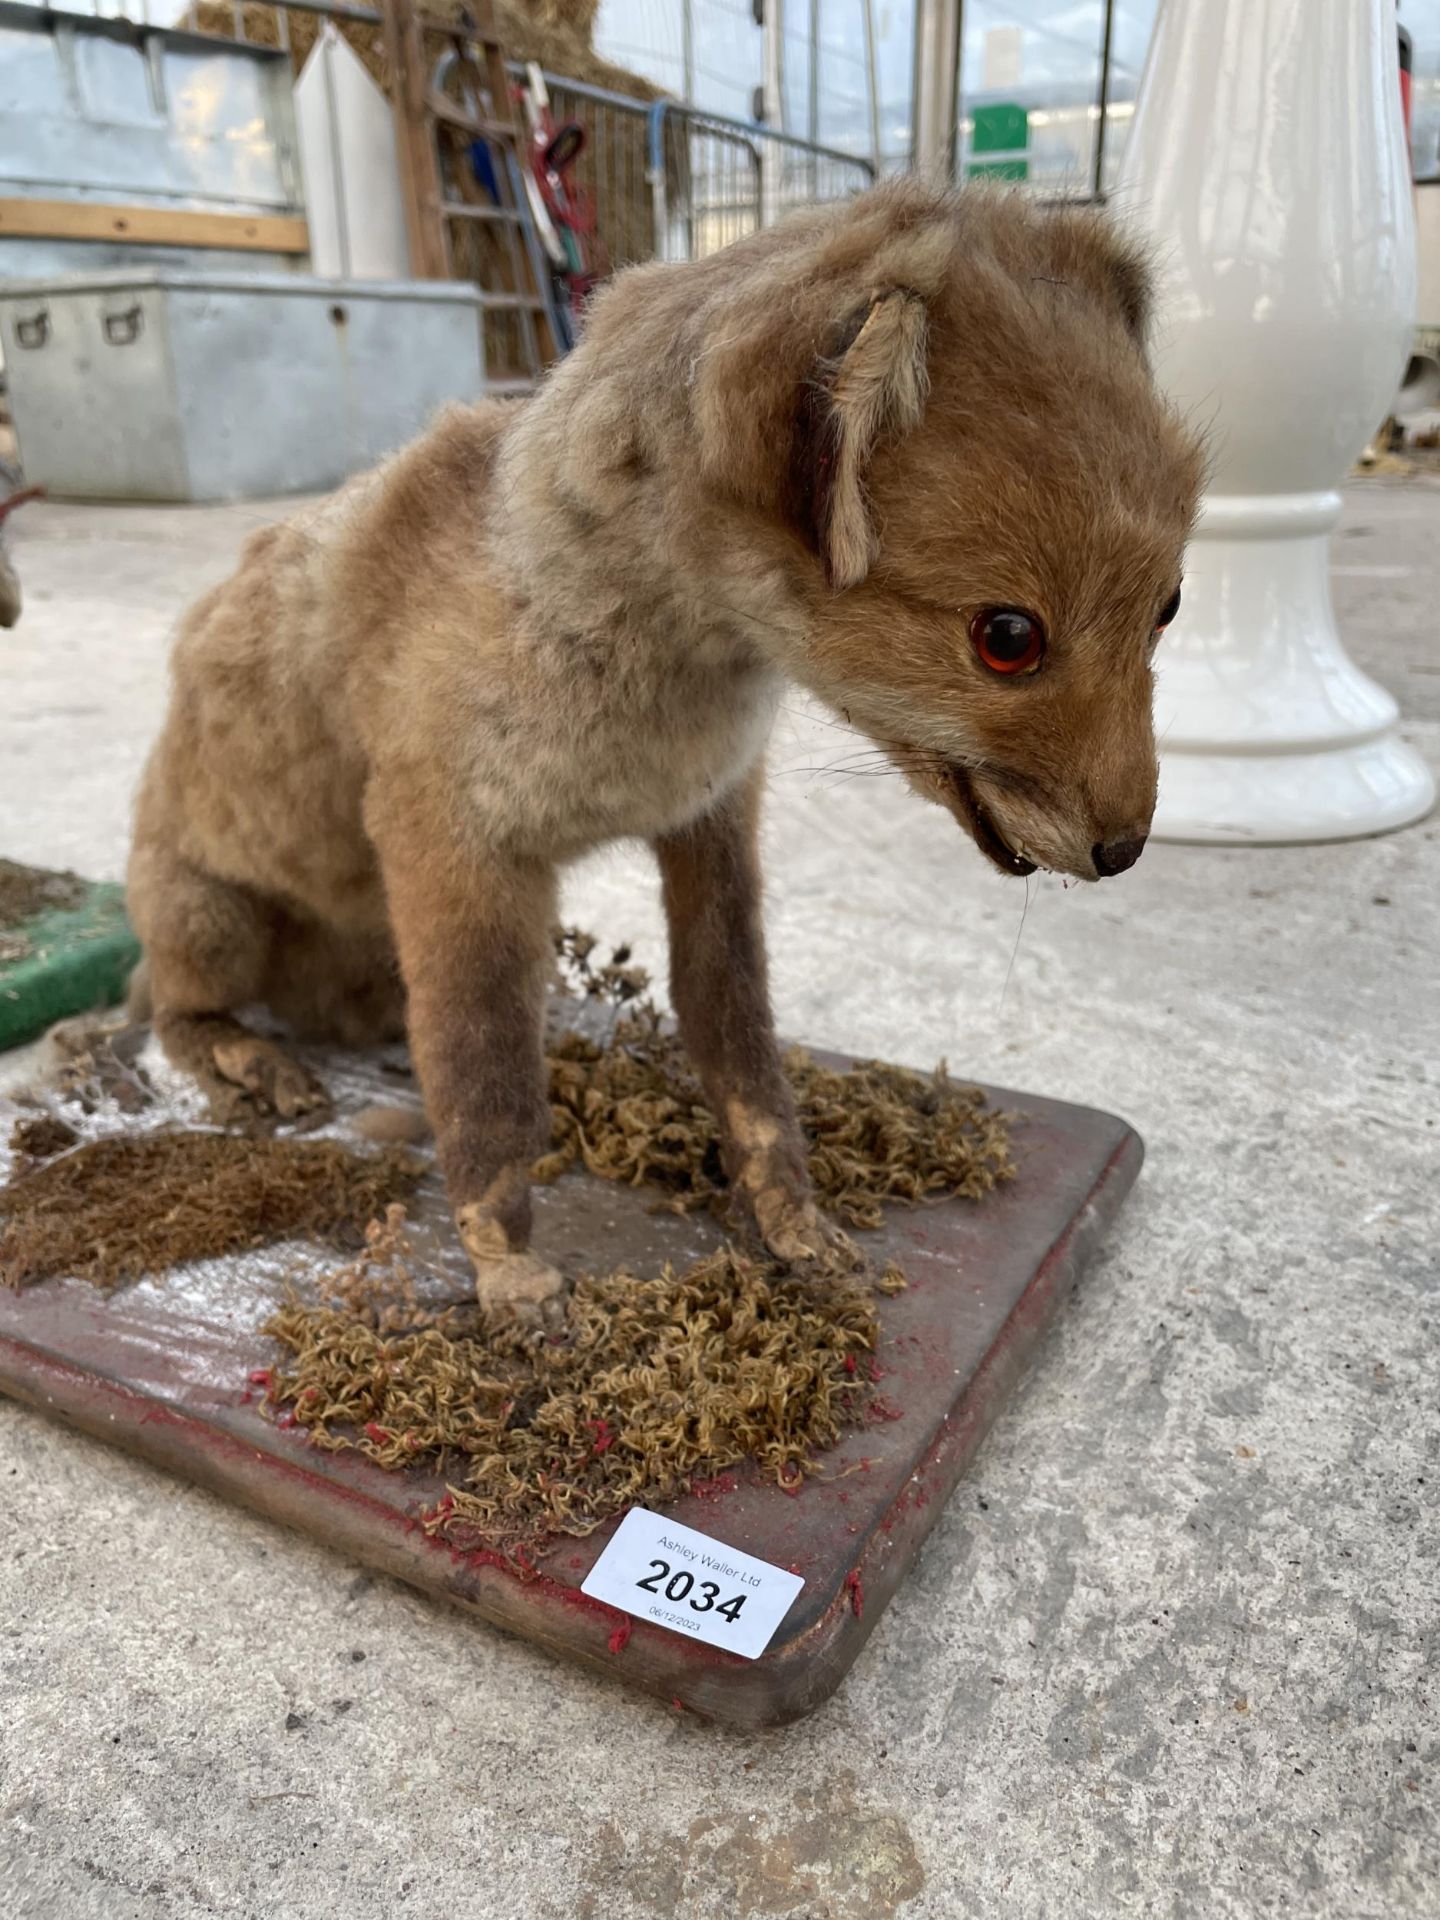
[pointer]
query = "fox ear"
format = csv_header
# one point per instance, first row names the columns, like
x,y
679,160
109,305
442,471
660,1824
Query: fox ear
x,y
1133,288
1088,249
873,385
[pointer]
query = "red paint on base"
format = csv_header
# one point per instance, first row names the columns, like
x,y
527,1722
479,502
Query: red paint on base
x,y
713,1489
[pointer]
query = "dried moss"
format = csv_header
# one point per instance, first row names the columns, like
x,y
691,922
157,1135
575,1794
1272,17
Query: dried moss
x,y
650,1386
26,892
632,1109
40,1136
131,1204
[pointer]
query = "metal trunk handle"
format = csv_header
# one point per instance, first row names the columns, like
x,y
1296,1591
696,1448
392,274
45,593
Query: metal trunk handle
x,y
122,328
33,329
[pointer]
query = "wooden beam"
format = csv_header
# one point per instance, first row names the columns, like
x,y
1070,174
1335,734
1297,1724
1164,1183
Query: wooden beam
x,y
153,226
420,184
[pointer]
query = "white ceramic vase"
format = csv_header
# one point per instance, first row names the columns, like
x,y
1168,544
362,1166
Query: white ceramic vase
x,y
1267,160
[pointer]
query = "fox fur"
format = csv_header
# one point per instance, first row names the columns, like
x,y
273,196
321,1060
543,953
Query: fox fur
x,y
812,458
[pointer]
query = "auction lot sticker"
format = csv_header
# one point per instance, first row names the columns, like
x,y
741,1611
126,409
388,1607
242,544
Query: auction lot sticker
x,y
661,1571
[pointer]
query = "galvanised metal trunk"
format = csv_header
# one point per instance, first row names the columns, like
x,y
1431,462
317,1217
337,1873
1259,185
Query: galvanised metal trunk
x,y
159,384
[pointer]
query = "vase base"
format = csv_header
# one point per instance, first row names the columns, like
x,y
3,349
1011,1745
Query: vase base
x,y
1344,793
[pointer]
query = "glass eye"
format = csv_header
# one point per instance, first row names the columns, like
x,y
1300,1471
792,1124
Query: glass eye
x,y
1168,611
1007,639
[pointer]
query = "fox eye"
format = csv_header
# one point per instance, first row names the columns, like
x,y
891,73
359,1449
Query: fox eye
x,y
1007,639
1168,612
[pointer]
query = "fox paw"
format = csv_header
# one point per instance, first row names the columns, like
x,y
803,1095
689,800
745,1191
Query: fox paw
x,y
799,1235
509,1280
267,1080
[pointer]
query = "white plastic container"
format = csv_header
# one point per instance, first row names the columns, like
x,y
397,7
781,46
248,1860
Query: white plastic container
x,y
176,385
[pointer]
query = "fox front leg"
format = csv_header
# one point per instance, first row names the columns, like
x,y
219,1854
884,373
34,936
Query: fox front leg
x,y
711,876
474,937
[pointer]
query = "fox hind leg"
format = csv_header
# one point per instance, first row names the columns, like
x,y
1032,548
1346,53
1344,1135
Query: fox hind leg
x,y
207,945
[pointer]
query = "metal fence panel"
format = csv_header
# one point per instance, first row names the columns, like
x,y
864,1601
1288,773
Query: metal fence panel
x,y
669,182
714,180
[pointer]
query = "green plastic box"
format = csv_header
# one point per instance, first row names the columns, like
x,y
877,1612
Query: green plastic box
x,y
65,947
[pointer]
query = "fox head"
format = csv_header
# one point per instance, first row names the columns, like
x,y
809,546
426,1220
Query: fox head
x,y
937,410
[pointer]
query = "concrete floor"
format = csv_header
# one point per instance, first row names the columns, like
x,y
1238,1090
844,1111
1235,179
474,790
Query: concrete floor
x,y
1172,1648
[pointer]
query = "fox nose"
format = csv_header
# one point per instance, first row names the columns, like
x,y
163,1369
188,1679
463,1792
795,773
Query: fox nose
x,y
1114,856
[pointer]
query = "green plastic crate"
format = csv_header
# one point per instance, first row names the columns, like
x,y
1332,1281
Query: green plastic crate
x,y
71,953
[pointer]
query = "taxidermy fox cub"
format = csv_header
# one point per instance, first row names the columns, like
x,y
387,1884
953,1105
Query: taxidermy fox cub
x,y
905,452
